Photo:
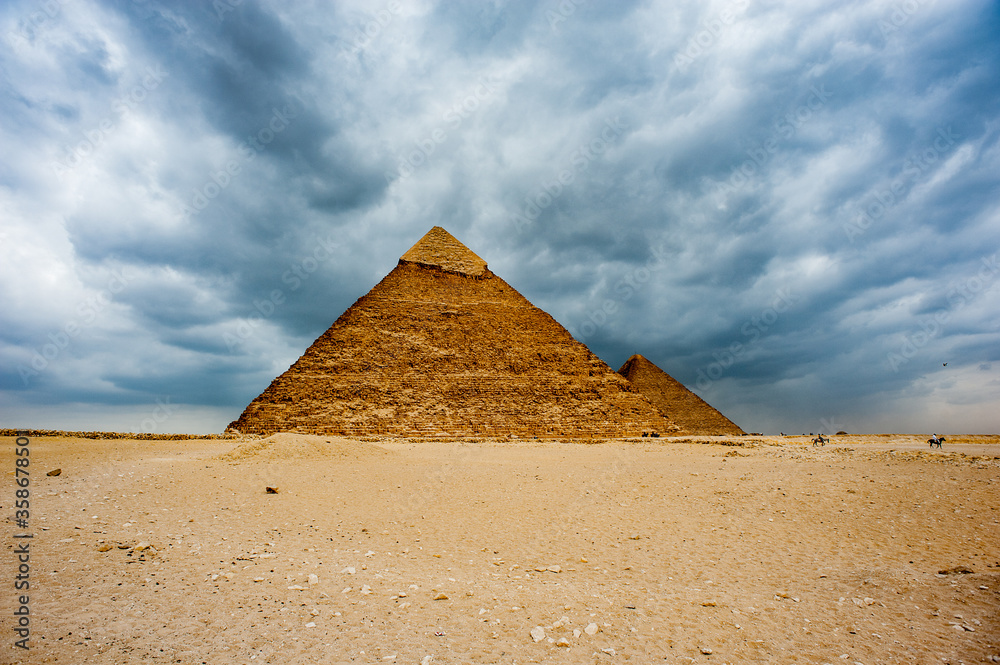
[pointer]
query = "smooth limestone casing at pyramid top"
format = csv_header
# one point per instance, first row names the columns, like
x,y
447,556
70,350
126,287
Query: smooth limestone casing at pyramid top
x,y
442,346
690,412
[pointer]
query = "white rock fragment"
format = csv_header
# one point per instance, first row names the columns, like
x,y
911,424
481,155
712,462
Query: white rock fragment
x,y
591,629
538,633
313,578
350,570
562,642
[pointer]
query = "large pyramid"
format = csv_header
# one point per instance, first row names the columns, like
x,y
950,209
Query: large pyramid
x,y
680,405
442,346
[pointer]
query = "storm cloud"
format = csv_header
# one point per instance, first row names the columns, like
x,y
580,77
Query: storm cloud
x,y
792,208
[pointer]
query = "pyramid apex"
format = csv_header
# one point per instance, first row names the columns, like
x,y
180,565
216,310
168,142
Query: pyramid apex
x,y
440,249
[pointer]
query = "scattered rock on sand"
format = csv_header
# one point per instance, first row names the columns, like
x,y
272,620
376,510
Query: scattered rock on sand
x,y
591,629
54,472
957,570
538,633
441,596
271,490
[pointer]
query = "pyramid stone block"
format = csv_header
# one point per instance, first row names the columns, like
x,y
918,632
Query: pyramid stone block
x,y
443,347
685,409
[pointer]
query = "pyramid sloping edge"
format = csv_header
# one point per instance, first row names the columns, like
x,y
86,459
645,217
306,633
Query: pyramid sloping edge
x,y
684,408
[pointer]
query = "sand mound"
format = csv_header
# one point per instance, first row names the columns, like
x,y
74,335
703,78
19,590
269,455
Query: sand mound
x,y
287,446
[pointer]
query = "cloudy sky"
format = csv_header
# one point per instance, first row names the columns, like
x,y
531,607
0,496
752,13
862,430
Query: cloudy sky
x,y
791,207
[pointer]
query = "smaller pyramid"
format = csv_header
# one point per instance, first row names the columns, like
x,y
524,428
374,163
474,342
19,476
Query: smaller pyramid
x,y
693,414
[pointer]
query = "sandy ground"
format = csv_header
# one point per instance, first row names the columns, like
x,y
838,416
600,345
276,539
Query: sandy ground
x,y
660,550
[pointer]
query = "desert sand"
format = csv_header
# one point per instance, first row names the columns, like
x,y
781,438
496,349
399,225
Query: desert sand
x,y
674,550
